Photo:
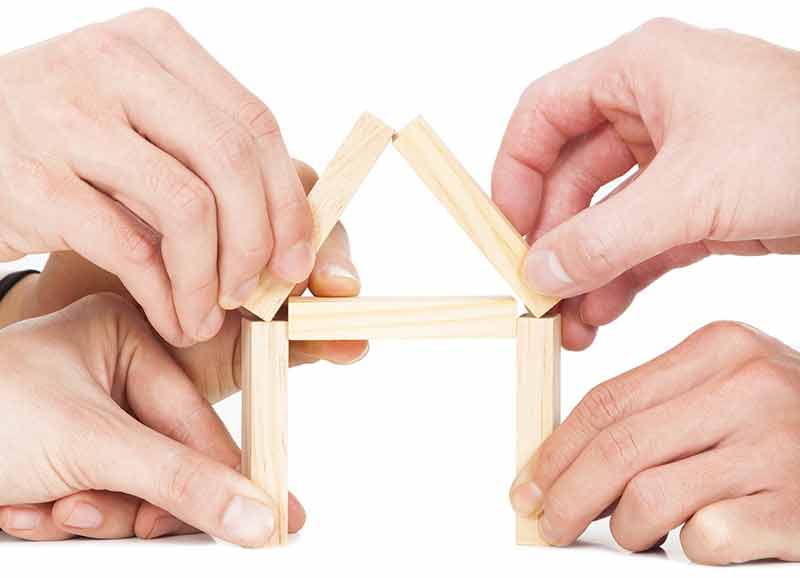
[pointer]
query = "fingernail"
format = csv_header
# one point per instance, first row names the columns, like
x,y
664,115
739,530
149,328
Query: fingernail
x,y
341,271
84,515
248,522
295,264
163,526
22,519
240,295
526,499
546,274
546,531
211,324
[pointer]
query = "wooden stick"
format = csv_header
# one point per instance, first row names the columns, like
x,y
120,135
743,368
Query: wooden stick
x,y
265,367
538,398
312,318
328,198
488,228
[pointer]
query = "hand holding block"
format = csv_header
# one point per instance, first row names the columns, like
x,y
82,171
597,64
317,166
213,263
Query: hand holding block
x,y
328,198
488,228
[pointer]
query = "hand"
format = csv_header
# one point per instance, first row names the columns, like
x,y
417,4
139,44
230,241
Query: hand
x,y
93,402
212,366
129,144
710,119
705,434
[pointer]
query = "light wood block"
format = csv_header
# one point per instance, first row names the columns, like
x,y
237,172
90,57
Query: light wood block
x,y
265,367
471,208
328,198
313,318
538,398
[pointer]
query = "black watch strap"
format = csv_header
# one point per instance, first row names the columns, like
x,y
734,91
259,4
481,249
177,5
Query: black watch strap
x,y
7,283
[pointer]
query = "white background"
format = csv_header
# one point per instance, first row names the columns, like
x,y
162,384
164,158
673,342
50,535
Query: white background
x,y
403,461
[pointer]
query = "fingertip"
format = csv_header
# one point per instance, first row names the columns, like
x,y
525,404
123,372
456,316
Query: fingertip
x,y
306,173
335,278
211,324
576,335
526,499
297,514
545,273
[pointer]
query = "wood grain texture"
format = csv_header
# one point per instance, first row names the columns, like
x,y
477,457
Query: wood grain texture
x,y
328,198
488,228
538,398
313,318
265,367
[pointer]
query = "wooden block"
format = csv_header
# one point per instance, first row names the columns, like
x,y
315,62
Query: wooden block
x,y
328,198
265,367
470,207
538,397
312,318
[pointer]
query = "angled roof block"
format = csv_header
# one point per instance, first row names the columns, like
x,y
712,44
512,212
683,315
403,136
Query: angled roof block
x,y
328,198
480,218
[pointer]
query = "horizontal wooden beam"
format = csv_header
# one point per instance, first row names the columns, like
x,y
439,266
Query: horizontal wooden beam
x,y
351,318
336,186
480,218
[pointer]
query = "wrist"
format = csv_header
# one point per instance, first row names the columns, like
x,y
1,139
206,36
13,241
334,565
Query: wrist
x,y
15,304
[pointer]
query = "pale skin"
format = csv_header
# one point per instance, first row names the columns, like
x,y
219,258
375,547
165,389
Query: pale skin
x,y
126,142
107,327
706,434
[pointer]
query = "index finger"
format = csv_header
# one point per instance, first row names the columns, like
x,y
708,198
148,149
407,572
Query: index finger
x,y
696,360
180,54
550,113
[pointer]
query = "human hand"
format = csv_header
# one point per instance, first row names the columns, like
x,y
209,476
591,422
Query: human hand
x,y
706,434
114,416
128,143
213,366
709,117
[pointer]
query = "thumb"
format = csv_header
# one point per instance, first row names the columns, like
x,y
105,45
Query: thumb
x,y
647,217
192,487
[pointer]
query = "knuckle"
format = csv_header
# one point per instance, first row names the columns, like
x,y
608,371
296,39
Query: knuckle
x,y
252,259
560,512
191,200
98,37
158,19
138,245
618,446
292,219
589,255
235,148
550,459
707,538
31,175
259,120
181,479
734,333
645,496
658,27
601,406
768,372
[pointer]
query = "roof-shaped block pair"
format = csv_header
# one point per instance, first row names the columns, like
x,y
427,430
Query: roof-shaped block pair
x,y
472,209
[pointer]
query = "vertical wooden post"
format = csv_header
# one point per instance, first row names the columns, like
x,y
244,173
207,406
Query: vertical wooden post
x,y
538,397
265,368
